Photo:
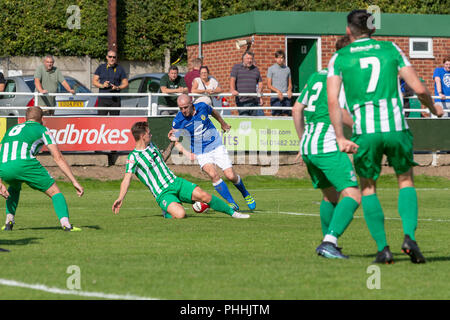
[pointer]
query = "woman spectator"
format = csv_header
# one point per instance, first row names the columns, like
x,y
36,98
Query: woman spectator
x,y
205,84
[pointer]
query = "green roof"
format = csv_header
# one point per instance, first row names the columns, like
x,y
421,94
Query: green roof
x,y
313,23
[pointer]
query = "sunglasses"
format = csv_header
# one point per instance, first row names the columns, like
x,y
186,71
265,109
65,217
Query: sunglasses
x,y
112,57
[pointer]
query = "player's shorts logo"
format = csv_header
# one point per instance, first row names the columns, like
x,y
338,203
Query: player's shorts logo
x,y
203,117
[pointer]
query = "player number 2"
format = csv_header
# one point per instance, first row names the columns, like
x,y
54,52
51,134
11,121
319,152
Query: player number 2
x,y
318,88
375,74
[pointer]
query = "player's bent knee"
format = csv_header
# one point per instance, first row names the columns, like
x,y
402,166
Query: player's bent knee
x,y
353,193
52,190
176,210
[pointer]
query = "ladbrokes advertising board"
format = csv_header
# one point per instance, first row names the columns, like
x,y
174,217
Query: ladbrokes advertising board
x,y
92,133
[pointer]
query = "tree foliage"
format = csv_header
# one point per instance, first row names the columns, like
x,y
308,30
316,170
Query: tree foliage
x,y
147,27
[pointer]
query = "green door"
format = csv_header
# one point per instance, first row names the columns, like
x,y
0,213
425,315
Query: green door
x,y
302,59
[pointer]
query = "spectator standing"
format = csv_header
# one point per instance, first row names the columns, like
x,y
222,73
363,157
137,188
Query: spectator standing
x,y
441,77
46,80
246,78
194,73
110,77
279,81
205,84
171,82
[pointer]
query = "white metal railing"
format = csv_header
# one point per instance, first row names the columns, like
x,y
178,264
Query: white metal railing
x,y
153,108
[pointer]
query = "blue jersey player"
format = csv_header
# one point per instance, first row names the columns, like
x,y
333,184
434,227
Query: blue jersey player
x,y
206,146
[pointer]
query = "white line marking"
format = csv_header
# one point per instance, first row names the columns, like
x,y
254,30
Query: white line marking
x,y
41,287
387,218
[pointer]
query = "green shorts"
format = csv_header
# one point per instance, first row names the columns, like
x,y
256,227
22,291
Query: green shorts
x,y
331,169
179,191
28,171
397,146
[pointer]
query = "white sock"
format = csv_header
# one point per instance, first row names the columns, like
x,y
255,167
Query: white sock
x,y
65,222
10,217
330,238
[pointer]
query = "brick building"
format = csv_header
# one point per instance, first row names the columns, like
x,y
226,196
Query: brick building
x,y
308,38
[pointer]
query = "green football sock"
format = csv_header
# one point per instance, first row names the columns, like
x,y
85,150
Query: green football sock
x,y
220,205
13,200
326,213
374,216
342,216
60,206
408,210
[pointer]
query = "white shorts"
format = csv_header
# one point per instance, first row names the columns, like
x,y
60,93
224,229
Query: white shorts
x,y
218,156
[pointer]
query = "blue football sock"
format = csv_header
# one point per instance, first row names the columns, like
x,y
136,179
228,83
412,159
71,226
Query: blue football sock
x,y
240,186
222,188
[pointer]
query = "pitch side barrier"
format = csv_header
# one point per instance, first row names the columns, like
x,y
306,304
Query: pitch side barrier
x,y
151,107
111,135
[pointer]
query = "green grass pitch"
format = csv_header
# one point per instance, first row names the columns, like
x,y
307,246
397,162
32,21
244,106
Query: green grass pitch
x,y
211,256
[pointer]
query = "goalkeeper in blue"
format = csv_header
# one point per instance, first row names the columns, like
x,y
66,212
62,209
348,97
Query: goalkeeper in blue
x,y
206,146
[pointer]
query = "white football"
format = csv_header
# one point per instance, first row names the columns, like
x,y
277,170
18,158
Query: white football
x,y
200,207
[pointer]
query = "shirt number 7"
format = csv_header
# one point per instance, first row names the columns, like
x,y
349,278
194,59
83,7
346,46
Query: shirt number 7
x,y
375,74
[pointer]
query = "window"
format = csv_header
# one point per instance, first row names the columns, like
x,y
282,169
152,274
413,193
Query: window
x,y
152,85
10,86
421,48
133,86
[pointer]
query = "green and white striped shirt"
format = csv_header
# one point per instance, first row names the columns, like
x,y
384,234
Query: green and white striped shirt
x,y
369,72
150,168
24,141
319,136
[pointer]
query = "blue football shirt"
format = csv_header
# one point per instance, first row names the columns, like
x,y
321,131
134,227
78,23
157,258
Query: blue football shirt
x,y
199,128
445,82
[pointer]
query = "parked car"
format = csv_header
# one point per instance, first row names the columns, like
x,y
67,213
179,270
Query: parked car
x,y
149,82
26,84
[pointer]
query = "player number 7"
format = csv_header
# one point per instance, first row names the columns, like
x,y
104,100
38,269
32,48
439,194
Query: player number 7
x,y
375,74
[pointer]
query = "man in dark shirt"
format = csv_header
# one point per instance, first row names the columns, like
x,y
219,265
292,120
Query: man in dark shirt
x,y
171,82
110,78
246,78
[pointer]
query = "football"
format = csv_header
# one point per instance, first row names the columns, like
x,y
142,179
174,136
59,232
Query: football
x,y
200,207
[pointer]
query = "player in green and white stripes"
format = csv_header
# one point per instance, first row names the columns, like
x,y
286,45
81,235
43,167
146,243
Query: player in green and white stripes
x,y
330,169
369,71
18,164
170,191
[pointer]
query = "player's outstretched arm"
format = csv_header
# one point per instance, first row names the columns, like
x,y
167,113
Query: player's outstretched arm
x,y
410,76
123,192
225,126
65,168
178,146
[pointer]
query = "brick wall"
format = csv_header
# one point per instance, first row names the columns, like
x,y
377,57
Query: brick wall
x,y
424,67
220,57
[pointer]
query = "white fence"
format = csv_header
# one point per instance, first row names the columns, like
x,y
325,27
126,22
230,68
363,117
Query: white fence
x,y
153,108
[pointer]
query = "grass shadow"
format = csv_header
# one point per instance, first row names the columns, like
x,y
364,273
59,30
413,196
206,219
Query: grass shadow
x,y
19,242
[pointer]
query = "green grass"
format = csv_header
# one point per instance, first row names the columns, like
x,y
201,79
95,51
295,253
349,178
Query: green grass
x,y
212,256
